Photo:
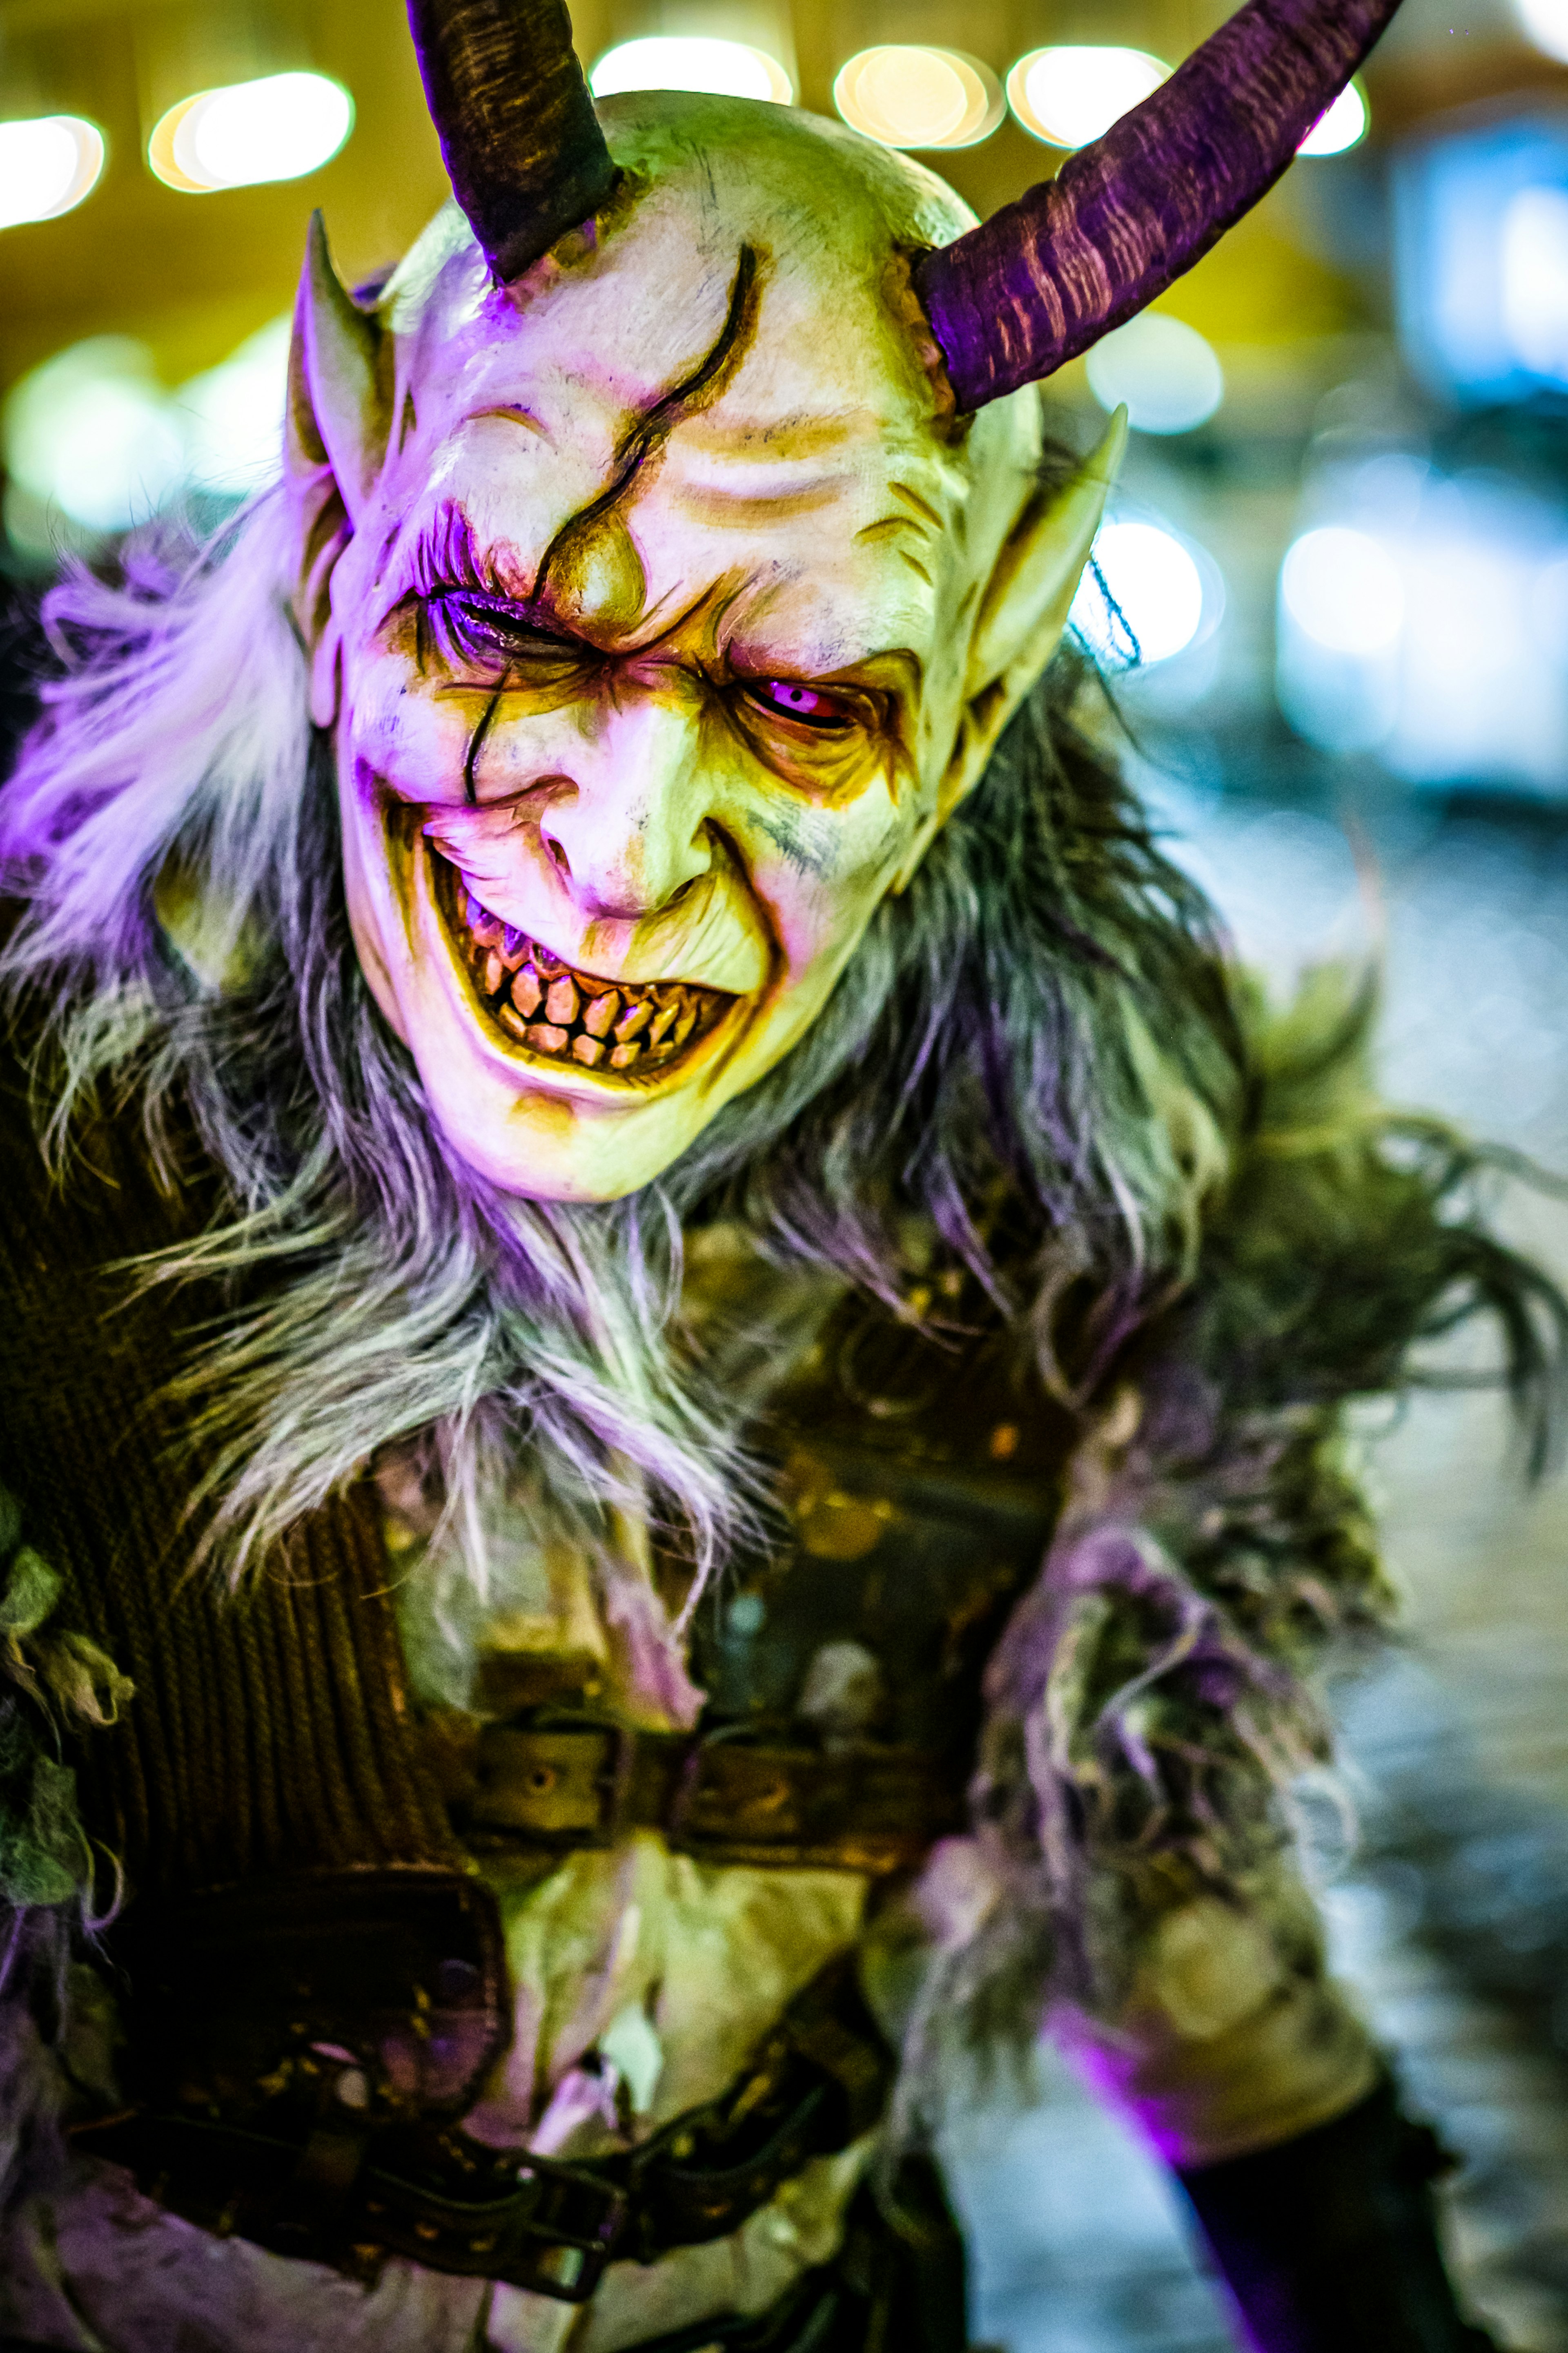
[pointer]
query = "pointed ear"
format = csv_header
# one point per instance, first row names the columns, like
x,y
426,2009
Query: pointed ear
x,y
337,394
336,429
1030,592
1023,613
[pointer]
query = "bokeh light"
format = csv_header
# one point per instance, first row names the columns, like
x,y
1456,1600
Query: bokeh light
x,y
1343,126
248,133
670,61
1534,286
90,434
1546,24
232,415
1068,96
1164,370
93,442
47,166
910,97
1154,582
1344,588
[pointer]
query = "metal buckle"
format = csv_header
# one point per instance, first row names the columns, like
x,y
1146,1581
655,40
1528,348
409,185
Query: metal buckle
x,y
578,2243
553,2230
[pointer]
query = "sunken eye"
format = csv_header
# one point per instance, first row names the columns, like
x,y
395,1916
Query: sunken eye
x,y
475,631
788,698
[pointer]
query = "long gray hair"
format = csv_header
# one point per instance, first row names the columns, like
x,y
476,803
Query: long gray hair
x,y
993,1038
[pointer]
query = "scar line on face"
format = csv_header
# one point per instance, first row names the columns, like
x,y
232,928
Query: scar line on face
x,y
656,426
476,744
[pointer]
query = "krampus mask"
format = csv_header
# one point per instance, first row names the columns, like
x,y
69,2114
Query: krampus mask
x,y
674,550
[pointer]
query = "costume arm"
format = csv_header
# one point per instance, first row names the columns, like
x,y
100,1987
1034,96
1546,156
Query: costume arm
x,y
1328,2242
1154,1696
1251,2073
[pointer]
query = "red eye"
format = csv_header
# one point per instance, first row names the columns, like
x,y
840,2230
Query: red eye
x,y
790,700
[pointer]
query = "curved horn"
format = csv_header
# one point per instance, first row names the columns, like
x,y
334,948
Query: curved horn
x,y
525,155
1044,278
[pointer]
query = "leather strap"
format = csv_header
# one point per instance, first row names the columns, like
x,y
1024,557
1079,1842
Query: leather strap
x,y
556,1786
338,2189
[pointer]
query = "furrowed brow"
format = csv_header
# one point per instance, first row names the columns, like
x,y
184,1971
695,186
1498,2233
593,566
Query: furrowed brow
x,y
445,553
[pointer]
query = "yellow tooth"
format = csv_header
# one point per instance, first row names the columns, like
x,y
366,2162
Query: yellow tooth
x,y
661,1022
601,1012
493,973
545,1039
526,993
634,1020
588,1050
563,1003
623,1057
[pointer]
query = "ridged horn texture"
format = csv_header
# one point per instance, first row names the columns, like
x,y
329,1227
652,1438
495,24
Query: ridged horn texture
x,y
1044,278
525,153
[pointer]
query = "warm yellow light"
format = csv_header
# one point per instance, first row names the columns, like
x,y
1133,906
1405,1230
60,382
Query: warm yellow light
x,y
910,97
1344,125
279,128
1546,23
47,166
1068,96
670,61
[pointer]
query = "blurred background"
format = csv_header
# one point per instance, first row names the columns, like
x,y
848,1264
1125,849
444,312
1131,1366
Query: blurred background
x,y
1334,588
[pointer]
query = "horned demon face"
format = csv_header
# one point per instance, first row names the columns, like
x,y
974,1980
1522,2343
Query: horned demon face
x,y
675,621
661,602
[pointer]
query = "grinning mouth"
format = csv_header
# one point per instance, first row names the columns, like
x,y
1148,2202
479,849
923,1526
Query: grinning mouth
x,y
548,1006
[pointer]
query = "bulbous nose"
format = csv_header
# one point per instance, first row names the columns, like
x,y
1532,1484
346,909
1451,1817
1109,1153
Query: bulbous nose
x,y
628,830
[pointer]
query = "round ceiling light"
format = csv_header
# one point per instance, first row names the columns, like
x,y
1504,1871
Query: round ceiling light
x,y
1142,600
1344,125
669,61
1068,96
1166,372
90,432
47,166
279,128
1546,24
1343,587
912,96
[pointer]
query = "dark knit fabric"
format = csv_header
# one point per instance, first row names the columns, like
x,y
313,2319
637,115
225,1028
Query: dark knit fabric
x,y
270,1732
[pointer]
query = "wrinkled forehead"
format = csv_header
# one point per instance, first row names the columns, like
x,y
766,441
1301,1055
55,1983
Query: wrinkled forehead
x,y
730,379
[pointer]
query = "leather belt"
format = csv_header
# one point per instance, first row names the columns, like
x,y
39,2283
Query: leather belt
x,y
726,1798
338,2190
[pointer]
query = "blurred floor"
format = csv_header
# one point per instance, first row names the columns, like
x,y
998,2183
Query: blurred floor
x,y
1452,1921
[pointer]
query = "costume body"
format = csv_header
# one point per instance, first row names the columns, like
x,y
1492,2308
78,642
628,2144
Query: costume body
x,y
647,1966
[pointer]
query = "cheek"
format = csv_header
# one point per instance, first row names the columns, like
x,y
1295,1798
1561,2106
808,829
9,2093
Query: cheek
x,y
822,872
412,739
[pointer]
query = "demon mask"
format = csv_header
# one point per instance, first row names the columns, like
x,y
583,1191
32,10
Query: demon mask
x,y
674,551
